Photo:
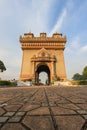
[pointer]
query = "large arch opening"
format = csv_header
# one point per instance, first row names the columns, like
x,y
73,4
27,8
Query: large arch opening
x,y
43,78
42,75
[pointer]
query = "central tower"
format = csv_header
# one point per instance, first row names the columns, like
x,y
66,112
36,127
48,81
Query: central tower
x,y
43,54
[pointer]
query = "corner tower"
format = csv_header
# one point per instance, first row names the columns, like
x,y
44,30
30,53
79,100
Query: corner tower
x,y
42,54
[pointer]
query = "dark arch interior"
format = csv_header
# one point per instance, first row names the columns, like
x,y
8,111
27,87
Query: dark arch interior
x,y
42,68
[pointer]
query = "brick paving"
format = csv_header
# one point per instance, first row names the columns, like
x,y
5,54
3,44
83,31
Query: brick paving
x,y
43,108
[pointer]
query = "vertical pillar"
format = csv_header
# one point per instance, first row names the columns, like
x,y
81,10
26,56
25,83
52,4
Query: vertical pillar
x,y
37,78
53,70
34,71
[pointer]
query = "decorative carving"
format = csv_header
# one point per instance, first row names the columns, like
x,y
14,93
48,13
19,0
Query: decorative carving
x,y
43,35
57,35
29,41
43,55
28,35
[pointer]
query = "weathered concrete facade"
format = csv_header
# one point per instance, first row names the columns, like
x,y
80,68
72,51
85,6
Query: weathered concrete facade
x,y
43,54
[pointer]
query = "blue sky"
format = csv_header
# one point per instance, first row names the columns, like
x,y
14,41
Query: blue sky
x,y
68,17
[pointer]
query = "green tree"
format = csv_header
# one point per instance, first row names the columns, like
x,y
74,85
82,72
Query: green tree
x,y
77,76
2,66
84,73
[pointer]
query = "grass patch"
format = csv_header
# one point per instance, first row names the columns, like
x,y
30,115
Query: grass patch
x,y
7,83
79,82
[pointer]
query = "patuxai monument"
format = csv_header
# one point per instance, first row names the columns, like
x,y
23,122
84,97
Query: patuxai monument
x,y
40,54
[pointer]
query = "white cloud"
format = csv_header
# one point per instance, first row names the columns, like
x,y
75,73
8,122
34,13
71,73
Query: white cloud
x,y
59,22
76,46
84,49
75,43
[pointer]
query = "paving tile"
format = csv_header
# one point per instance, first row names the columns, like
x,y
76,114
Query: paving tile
x,y
12,107
52,104
13,126
1,111
3,104
78,100
28,107
9,114
15,119
82,111
62,101
85,116
62,111
69,122
39,111
20,113
69,106
44,104
83,105
3,119
38,122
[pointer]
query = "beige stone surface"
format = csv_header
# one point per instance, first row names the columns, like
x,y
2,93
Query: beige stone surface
x,y
62,111
29,107
69,122
12,107
12,126
38,123
40,111
1,111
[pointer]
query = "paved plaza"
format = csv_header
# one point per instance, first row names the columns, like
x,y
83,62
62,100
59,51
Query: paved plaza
x,y
43,108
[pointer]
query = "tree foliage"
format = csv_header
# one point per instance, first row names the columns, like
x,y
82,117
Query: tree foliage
x,y
77,76
85,71
2,66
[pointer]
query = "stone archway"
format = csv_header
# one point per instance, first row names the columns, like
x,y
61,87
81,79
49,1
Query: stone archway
x,y
42,50
43,61
42,68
